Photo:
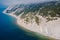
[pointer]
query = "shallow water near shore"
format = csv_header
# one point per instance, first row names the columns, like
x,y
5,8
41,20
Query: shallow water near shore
x,y
9,30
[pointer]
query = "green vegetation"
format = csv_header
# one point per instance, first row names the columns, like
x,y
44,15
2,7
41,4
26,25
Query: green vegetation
x,y
37,20
50,12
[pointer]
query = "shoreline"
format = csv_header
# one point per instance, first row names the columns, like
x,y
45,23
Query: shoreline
x,y
27,28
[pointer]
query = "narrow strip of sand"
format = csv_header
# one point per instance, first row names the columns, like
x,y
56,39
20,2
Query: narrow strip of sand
x,y
50,29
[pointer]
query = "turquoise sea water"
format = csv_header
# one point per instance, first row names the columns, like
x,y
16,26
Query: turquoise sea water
x,y
9,30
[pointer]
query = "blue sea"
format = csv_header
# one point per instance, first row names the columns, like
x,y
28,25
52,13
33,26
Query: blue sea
x,y
9,30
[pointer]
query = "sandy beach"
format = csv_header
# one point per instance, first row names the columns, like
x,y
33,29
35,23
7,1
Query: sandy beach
x,y
50,28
